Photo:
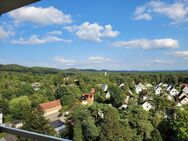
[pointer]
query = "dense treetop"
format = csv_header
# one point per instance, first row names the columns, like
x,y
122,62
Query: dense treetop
x,y
104,120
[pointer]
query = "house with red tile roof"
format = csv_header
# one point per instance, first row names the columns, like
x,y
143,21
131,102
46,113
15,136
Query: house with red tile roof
x,y
50,107
93,90
88,98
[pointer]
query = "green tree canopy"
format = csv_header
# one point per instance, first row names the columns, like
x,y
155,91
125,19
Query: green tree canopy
x,y
19,106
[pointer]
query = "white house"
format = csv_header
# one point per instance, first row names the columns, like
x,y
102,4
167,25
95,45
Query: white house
x,y
36,86
181,94
173,92
185,90
124,106
101,114
122,85
17,124
169,88
145,97
139,88
184,100
158,90
146,106
107,95
104,87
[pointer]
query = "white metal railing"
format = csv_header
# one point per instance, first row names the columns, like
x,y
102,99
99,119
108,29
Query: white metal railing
x,y
29,134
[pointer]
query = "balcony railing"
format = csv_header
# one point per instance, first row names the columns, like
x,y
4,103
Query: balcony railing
x,y
28,134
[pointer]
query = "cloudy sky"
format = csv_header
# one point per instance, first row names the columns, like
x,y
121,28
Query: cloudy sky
x,y
98,34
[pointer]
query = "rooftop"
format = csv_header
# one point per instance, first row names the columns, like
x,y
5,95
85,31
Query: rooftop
x,y
51,104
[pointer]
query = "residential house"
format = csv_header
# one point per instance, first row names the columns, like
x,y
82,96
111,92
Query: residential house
x,y
145,97
169,87
107,96
181,94
147,106
139,88
104,87
183,98
184,85
36,86
185,89
93,90
58,125
122,85
173,91
100,113
88,98
158,90
51,107
17,124
124,106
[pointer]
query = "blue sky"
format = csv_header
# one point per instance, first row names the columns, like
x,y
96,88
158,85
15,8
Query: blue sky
x,y
99,34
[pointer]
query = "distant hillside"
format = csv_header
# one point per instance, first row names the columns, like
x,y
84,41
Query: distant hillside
x,y
18,68
46,70
42,70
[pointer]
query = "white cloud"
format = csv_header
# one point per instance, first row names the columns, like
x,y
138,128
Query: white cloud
x,y
143,16
64,61
40,16
4,33
93,32
177,11
55,32
93,62
98,59
148,44
108,32
99,62
183,54
162,62
34,39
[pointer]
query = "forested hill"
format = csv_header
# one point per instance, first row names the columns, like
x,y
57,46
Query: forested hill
x,y
18,68
47,70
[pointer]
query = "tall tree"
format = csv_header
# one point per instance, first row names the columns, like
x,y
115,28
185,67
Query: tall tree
x,y
37,123
19,106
